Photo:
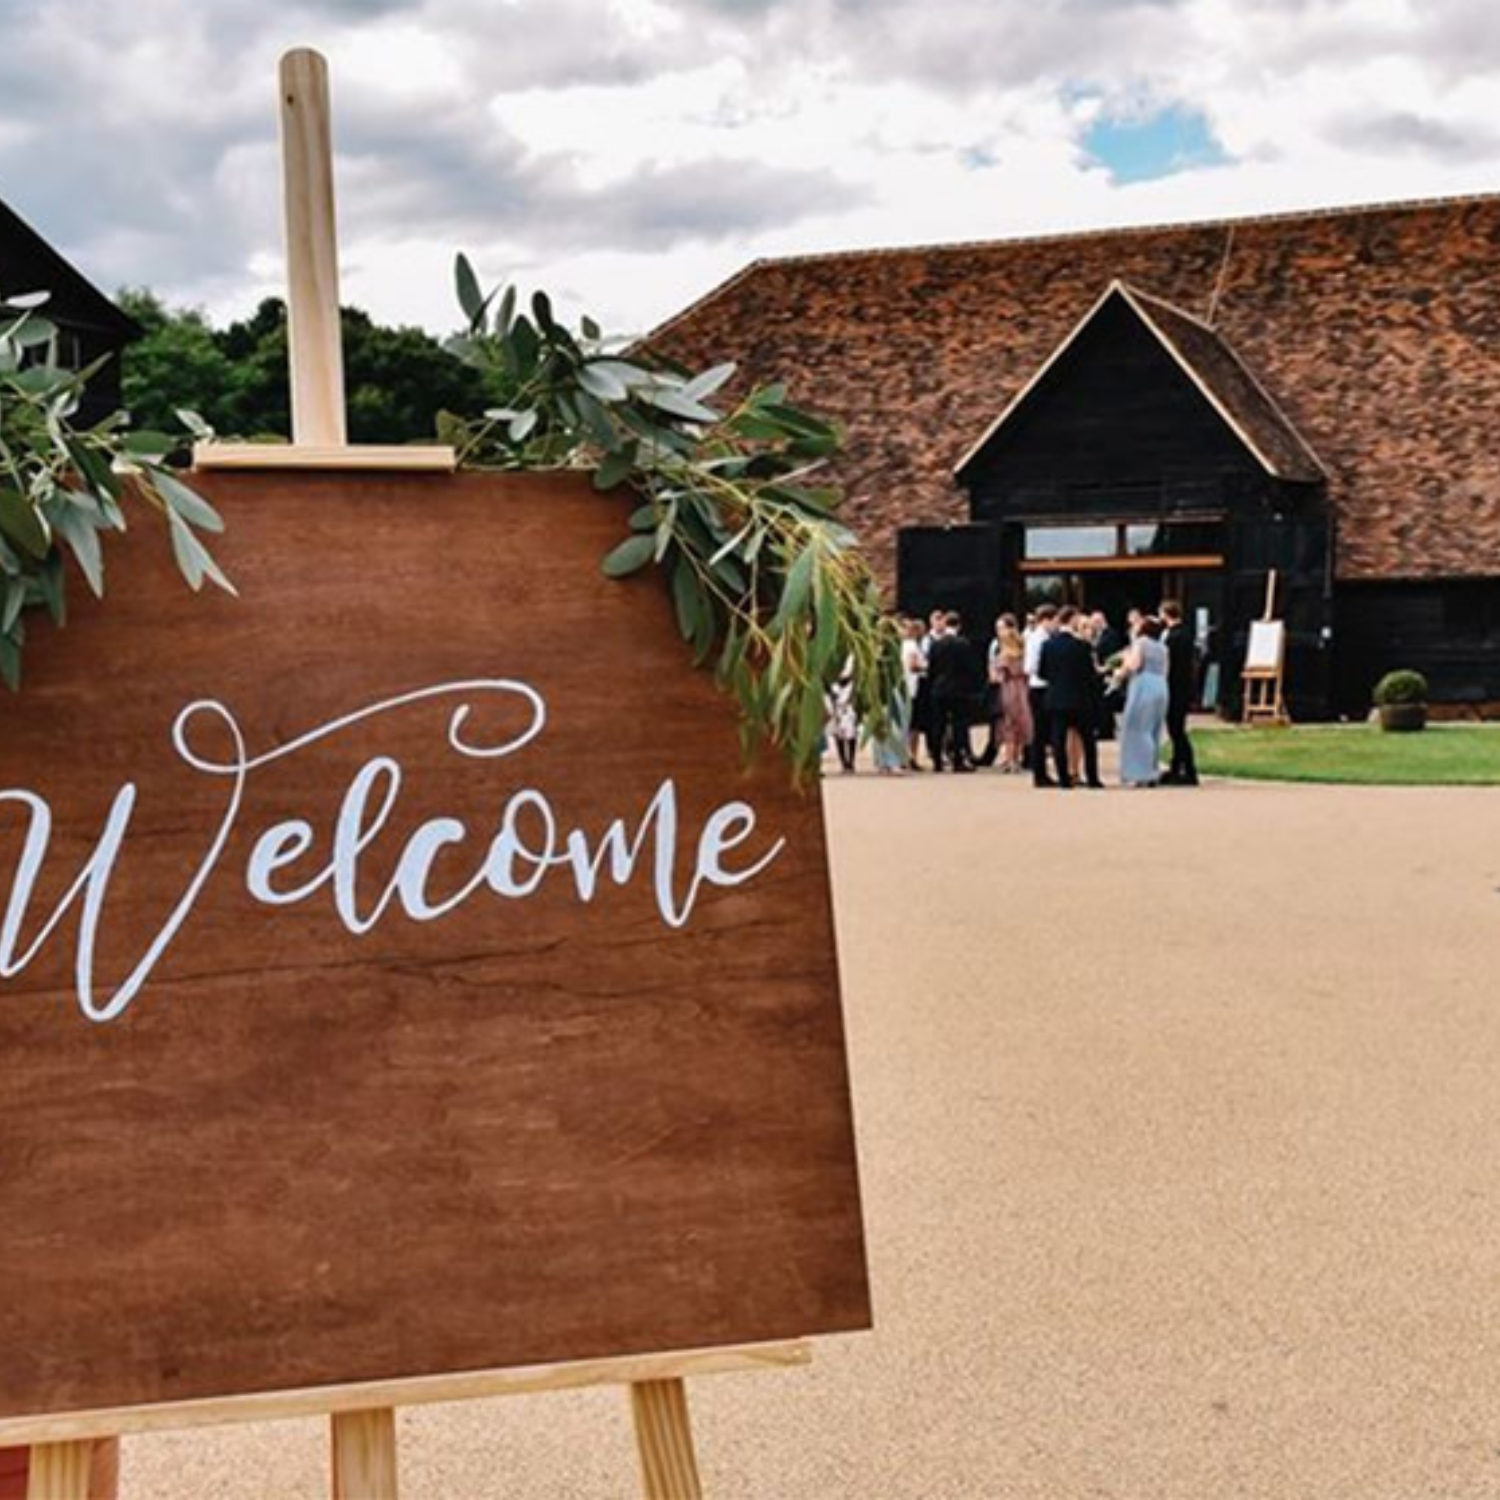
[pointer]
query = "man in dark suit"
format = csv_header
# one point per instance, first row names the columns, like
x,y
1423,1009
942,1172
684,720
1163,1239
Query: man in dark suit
x,y
1108,643
955,670
1073,692
1182,675
1038,631
1107,640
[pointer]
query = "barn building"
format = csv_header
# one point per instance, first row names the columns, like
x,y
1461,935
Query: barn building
x,y
1113,417
88,323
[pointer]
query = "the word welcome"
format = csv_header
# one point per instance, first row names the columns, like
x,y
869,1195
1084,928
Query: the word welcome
x,y
510,863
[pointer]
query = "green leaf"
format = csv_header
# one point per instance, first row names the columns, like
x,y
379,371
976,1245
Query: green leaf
x,y
54,587
20,521
147,444
596,420
187,503
506,311
615,469
666,528
795,419
541,310
825,640
520,426
796,587
708,382
589,327
727,569
757,429
524,347
628,374
685,598
678,405
195,424
603,383
729,655
470,298
820,499
12,600
193,559
10,662
29,331
812,714
93,468
628,557
79,532
41,380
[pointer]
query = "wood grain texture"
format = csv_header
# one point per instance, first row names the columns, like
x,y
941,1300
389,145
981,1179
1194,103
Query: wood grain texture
x,y
664,1440
60,1471
424,1390
104,1466
315,350
346,456
364,1454
530,1132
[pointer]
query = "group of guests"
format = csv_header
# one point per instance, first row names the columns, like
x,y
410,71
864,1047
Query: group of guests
x,y
1047,691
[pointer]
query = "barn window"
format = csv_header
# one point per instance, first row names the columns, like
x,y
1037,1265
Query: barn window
x,y
1071,541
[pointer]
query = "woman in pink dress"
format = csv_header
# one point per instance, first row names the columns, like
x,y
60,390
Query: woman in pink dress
x,y
1015,703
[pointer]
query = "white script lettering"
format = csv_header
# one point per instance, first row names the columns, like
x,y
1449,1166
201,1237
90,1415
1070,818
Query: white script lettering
x,y
511,862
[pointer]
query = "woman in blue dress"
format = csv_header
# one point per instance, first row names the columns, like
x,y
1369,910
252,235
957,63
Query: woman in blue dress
x,y
1145,668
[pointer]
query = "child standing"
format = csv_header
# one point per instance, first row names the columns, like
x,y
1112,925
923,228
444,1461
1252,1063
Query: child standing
x,y
843,721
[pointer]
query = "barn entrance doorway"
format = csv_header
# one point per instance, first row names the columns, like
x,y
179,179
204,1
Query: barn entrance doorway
x,y
1114,592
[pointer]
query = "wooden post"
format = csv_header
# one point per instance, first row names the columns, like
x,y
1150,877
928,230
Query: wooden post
x,y
1270,613
60,1471
664,1437
314,348
364,1454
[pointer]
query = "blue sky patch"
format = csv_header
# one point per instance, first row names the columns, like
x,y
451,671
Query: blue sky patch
x,y
1136,148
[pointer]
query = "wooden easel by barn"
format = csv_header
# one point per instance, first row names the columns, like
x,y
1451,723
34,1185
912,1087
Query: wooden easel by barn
x,y
1265,664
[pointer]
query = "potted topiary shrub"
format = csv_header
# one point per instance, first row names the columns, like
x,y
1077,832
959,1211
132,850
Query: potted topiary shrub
x,y
1401,698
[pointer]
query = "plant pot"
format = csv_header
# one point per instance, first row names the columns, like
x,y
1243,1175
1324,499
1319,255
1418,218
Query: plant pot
x,y
1403,717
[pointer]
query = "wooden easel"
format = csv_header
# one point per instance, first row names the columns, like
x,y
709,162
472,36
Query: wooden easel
x,y
1263,702
362,1417
65,1447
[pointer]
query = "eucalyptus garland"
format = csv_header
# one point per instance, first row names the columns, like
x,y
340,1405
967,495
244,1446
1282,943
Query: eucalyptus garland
x,y
63,485
766,581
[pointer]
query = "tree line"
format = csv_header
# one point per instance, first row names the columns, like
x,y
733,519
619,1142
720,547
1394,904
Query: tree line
x,y
397,380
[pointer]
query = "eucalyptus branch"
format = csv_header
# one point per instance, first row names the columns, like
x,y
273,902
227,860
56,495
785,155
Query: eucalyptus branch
x,y
65,486
764,578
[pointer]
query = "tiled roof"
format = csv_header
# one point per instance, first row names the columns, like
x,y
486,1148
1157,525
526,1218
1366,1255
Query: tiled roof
x,y
1226,380
1242,403
1376,332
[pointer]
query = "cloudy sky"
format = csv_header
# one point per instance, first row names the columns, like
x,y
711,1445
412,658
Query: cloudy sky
x,y
629,154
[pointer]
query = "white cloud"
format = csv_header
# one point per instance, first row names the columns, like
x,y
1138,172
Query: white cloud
x,y
629,153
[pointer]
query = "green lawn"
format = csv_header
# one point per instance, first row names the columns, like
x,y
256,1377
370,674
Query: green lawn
x,y
1440,755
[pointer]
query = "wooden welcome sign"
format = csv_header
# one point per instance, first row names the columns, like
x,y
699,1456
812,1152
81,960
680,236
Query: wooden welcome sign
x,y
401,977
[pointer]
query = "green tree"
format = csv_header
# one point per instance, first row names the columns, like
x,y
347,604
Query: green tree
x,y
397,380
178,363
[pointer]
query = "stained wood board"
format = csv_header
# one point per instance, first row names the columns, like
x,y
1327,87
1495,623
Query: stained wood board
x,y
531,1129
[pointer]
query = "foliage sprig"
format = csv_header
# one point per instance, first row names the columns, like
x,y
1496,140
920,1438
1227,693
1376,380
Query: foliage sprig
x,y
64,485
766,581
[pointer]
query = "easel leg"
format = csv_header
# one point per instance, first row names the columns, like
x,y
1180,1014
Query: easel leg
x,y
60,1471
364,1454
669,1468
